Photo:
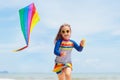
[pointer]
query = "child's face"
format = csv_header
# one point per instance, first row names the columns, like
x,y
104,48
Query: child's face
x,y
66,33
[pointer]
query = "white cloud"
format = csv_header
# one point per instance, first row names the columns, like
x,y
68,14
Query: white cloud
x,y
116,33
41,47
97,63
92,61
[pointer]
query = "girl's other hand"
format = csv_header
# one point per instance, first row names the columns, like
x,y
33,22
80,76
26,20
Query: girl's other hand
x,y
63,54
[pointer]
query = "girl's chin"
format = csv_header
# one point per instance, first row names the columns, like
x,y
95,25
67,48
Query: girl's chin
x,y
66,39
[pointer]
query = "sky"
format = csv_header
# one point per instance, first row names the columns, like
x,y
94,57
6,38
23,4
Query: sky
x,y
98,21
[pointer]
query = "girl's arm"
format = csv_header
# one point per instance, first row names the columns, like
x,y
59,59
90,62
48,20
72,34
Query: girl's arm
x,y
56,48
77,47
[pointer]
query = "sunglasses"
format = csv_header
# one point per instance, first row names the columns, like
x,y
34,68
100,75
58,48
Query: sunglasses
x,y
65,31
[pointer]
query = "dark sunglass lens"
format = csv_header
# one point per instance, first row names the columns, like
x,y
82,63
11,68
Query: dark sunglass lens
x,y
63,31
67,31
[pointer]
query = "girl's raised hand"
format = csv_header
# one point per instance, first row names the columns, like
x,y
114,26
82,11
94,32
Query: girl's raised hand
x,y
82,43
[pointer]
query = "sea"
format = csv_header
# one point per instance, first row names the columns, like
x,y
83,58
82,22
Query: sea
x,y
51,76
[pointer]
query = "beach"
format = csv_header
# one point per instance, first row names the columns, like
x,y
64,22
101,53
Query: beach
x,y
51,76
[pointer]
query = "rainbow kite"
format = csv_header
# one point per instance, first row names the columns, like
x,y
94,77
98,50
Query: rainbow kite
x,y
28,19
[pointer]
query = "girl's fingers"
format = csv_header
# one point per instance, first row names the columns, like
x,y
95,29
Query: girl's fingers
x,y
82,43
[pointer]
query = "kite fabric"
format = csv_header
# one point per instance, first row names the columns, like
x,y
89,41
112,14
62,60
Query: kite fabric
x,y
28,19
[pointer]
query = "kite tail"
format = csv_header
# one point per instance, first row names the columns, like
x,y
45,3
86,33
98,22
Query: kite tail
x,y
21,48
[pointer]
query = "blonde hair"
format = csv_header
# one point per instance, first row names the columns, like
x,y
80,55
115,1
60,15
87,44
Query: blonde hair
x,y
58,36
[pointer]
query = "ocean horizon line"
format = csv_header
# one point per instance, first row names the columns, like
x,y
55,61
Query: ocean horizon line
x,y
54,73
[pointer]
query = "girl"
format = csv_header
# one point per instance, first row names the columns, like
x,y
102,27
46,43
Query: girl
x,y
62,50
